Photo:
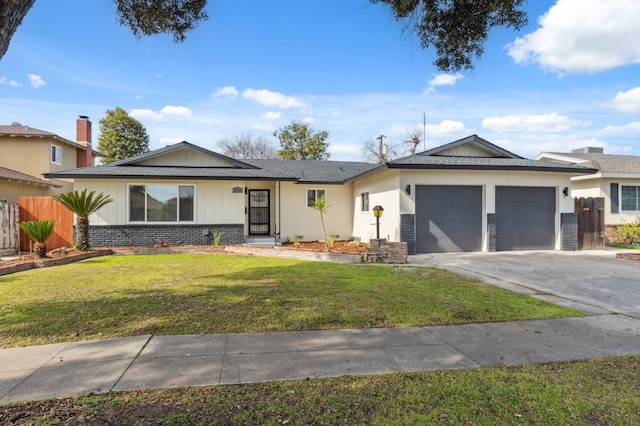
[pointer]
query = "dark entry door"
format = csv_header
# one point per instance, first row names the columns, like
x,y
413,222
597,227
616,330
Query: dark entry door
x,y
258,212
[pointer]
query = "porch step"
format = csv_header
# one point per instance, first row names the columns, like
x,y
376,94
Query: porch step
x,y
260,241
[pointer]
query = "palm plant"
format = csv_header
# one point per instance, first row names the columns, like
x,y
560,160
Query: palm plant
x,y
322,207
39,231
83,204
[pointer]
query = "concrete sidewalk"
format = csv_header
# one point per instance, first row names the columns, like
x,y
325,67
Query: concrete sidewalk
x,y
67,369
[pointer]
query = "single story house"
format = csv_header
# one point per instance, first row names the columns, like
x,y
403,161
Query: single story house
x,y
617,180
468,195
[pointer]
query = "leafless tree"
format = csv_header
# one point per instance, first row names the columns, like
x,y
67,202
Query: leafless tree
x,y
377,151
247,147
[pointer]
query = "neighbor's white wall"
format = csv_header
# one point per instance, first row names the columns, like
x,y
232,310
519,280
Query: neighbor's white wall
x,y
602,188
215,203
297,218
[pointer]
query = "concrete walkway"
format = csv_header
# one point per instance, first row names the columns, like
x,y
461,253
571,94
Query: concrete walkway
x,y
67,369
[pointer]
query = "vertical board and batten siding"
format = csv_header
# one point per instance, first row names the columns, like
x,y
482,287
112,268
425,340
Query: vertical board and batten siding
x,y
215,201
384,190
46,208
9,228
185,158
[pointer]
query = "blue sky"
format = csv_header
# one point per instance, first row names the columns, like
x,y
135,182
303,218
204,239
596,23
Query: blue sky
x,y
570,79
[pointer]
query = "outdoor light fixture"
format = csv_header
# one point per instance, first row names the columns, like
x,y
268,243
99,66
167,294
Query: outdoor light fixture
x,y
565,191
408,190
377,212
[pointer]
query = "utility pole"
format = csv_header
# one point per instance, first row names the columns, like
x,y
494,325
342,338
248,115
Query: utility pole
x,y
382,156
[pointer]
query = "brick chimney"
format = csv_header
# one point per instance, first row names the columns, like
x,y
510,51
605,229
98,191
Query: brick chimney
x,y
83,137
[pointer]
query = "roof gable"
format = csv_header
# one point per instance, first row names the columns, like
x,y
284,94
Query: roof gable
x,y
471,146
183,154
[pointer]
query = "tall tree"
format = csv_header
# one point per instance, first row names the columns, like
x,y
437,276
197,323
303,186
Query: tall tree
x,y
143,17
457,29
247,147
121,136
299,142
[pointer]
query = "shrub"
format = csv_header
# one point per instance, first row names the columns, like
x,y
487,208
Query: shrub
x,y
39,231
630,233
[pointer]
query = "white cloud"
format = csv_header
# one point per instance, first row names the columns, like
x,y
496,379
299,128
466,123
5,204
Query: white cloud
x,y
308,120
272,115
145,114
165,113
444,80
175,111
583,36
628,102
445,128
36,81
543,123
225,92
4,80
272,99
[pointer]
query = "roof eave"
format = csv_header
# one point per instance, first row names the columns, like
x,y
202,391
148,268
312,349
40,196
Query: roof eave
x,y
489,167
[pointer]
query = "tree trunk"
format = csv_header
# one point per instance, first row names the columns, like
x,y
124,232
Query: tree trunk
x,y
40,250
11,14
82,229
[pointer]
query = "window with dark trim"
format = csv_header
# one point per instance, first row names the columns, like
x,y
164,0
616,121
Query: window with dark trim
x,y
364,201
56,154
629,198
161,203
313,195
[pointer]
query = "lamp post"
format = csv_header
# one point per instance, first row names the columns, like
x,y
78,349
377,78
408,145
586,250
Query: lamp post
x,y
377,212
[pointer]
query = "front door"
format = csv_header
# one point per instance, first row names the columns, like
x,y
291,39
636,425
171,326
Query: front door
x,y
258,212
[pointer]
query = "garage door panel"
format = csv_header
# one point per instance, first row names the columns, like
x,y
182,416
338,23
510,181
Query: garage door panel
x,y
525,218
448,218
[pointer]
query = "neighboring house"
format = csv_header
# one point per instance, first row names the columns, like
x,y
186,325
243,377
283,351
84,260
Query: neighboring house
x,y
27,153
469,195
617,180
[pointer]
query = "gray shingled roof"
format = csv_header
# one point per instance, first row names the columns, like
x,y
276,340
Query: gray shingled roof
x,y
166,172
315,171
484,163
607,163
14,175
26,131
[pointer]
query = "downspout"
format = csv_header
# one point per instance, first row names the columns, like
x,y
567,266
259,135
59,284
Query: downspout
x,y
277,240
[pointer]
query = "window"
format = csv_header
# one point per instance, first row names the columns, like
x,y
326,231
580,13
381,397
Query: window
x,y
56,154
161,203
364,201
629,198
313,195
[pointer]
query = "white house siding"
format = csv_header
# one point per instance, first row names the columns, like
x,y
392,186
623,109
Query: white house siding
x,y
489,180
297,218
384,190
186,158
602,188
214,200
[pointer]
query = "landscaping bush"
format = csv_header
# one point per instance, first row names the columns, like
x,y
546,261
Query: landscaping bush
x,y
630,233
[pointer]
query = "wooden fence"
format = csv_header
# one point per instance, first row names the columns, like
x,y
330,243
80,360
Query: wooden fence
x,y
590,213
9,228
46,208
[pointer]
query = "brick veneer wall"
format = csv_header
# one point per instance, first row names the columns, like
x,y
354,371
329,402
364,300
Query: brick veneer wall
x,y
383,251
569,230
408,231
491,231
148,235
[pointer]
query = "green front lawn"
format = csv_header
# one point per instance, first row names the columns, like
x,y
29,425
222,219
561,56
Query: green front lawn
x,y
118,296
595,392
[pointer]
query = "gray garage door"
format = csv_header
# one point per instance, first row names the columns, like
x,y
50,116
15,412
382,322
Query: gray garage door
x,y
525,218
448,218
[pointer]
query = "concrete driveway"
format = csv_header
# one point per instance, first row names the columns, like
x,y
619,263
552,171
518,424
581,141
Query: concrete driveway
x,y
594,282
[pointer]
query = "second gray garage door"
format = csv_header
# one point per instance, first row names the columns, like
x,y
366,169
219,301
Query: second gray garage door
x,y
525,218
448,218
